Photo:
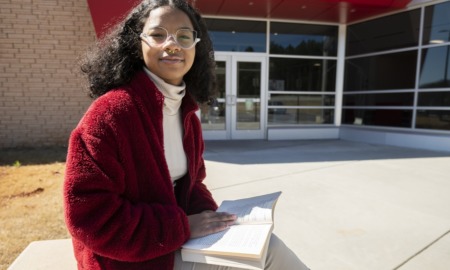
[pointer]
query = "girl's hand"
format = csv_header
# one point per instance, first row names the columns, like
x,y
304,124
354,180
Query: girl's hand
x,y
209,222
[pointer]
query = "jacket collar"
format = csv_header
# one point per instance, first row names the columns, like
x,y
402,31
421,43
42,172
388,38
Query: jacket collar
x,y
147,90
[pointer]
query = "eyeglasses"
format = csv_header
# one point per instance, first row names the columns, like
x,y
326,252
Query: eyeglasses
x,y
185,38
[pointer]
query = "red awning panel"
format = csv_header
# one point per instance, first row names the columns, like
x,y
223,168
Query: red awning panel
x,y
107,12
374,3
334,11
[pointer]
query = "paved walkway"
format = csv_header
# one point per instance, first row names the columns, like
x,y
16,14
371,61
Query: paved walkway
x,y
344,205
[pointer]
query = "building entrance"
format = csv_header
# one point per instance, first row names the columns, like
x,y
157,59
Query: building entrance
x,y
237,113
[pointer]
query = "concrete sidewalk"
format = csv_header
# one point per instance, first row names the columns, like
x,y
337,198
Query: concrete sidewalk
x,y
345,205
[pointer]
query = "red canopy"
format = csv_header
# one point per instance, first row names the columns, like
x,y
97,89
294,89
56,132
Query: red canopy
x,y
107,12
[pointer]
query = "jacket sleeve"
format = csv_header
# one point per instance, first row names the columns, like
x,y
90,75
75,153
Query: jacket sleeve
x,y
200,198
98,213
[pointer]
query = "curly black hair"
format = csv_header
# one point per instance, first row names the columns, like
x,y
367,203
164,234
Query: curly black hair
x,y
116,57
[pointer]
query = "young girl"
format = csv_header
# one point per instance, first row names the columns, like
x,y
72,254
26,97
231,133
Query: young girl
x,y
133,191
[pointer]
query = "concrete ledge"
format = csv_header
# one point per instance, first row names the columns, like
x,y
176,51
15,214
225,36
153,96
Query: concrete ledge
x,y
437,141
46,255
304,133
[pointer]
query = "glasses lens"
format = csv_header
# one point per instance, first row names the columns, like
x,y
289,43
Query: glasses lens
x,y
157,35
185,38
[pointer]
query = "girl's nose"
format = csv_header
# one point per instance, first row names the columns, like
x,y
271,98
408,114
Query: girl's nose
x,y
171,42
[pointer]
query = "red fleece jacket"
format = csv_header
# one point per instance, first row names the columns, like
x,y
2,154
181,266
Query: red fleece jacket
x,y
120,205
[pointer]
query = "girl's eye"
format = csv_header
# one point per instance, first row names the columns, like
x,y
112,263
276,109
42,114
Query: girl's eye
x,y
184,37
157,36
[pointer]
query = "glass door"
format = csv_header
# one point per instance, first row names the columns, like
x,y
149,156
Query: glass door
x,y
238,111
246,98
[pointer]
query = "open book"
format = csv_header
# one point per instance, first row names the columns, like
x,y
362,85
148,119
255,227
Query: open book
x,y
243,245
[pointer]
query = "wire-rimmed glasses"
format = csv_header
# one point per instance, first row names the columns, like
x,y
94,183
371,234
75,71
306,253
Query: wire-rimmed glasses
x,y
185,38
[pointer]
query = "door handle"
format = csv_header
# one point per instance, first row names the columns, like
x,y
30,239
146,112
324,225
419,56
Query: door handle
x,y
231,100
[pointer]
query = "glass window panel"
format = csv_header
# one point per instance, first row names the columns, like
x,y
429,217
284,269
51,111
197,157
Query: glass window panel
x,y
379,117
388,99
303,39
213,115
437,24
301,116
434,69
391,32
248,115
317,75
249,76
381,72
431,119
248,105
301,100
434,99
237,35
220,78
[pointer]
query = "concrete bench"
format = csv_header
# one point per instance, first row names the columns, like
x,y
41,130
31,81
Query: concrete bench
x,y
46,255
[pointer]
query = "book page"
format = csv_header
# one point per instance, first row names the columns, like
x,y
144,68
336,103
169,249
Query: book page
x,y
246,240
252,210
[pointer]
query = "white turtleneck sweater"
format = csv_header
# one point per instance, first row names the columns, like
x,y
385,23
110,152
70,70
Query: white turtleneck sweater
x,y
172,126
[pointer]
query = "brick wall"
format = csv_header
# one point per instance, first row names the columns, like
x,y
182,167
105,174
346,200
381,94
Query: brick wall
x,y
41,98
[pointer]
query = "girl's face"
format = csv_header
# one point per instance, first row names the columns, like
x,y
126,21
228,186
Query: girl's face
x,y
168,60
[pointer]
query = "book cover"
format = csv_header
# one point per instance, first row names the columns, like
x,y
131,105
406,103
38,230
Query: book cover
x,y
243,244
